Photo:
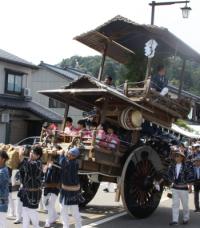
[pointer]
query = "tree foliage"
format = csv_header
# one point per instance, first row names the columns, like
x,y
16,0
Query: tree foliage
x,y
191,75
91,65
136,69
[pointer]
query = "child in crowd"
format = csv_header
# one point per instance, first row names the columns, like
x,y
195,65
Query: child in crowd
x,y
111,138
4,188
108,140
82,130
93,126
101,135
70,130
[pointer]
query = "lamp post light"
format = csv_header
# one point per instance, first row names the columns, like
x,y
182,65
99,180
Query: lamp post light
x,y
185,10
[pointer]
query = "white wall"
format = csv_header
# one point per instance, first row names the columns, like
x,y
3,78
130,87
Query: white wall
x,y
44,79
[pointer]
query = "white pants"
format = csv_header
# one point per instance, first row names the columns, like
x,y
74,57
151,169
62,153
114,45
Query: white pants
x,y
3,221
18,209
11,210
52,214
75,213
41,203
177,196
28,215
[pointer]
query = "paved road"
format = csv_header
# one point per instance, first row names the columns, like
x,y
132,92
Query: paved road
x,y
103,212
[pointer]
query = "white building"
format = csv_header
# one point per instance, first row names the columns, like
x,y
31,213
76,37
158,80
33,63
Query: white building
x,y
52,77
20,117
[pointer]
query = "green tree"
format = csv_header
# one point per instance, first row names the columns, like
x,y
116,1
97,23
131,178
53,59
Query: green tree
x,y
135,70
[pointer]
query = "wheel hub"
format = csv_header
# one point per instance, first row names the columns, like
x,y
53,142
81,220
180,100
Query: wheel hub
x,y
147,183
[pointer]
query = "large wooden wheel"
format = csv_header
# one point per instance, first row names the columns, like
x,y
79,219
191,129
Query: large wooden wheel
x,y
88,189
139,196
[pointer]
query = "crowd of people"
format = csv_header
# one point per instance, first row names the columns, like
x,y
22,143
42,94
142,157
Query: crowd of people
x,y
42,182
184,175
59,178
105,135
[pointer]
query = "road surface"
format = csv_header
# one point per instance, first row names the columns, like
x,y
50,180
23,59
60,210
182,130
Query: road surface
x,y
103,212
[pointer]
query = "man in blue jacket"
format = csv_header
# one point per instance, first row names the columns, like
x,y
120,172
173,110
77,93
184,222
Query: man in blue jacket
x,y
159,81
31,178
180,174
4,188
196,162
70,194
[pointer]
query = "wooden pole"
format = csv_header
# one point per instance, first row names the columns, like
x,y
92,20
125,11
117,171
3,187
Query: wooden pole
x,y
152,12
135,137
181,78
65,117
102,63
194,112
148,72
104,110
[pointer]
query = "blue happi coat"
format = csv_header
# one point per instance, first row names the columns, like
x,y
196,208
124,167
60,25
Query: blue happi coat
x,y
31,178
186,176
70,177
159,82
52,176
4,188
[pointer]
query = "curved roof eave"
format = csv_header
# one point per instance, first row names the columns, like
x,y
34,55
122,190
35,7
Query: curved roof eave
x,y
125,37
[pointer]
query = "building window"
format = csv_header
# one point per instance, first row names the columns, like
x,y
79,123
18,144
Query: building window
x,y
13,83
55,104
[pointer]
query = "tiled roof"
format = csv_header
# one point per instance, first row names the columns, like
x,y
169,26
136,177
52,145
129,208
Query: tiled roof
x,y
35,108
124,38
92,90
67,72
8,57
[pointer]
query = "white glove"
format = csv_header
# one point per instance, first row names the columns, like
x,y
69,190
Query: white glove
x,y
164,91
157,187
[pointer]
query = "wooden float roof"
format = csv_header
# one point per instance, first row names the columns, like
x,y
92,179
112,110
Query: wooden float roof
x,y
87,91
126,38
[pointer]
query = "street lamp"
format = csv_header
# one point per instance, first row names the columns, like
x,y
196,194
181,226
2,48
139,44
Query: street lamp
x,y
185,10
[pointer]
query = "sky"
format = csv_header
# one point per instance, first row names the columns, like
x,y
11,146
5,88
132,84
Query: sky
x,y
43,30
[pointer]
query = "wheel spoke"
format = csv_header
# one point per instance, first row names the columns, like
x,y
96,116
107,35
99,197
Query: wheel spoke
x,y
139,194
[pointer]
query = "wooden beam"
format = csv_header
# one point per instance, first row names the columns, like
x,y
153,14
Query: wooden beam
x,y
79,104
102,62
104,109
109,40
135,136
85,103
65,117
148,70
